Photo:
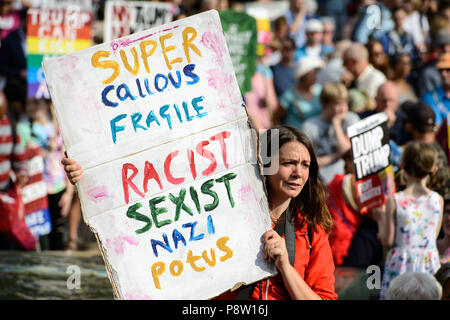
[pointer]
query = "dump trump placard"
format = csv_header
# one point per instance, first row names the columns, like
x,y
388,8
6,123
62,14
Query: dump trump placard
x,y
371,161
171,184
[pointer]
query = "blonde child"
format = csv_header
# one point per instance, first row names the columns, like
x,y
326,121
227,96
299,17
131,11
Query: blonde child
x,y
412,218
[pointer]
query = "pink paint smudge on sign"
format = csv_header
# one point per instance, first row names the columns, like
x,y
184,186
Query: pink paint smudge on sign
x,y
213,42
98,194
134,288
214,78
126,42
72,61
223,84
137,296
121,240
245,193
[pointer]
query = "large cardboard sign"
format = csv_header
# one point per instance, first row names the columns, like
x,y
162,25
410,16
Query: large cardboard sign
x,y
371,161
53,31
171,184
126,17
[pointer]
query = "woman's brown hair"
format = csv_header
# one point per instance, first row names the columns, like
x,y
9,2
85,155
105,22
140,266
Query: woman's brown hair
x,y
311,202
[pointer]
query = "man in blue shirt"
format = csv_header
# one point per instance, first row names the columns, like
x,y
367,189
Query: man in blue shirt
x,y
398,41
439,97
284,71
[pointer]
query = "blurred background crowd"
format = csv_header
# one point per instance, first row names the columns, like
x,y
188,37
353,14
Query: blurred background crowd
x,y
323,66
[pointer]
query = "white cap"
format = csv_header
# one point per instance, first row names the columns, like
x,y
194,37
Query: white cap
x,y
307,64
314,25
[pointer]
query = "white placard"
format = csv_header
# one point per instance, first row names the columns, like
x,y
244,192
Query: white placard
x,y
126,17
171,186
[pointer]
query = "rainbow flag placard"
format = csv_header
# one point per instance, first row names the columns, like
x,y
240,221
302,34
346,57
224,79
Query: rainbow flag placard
x,y
53,32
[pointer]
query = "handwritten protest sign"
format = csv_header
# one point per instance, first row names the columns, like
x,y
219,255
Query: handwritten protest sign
x,y
371,160
241,36
53,31
171,186
126,17
34,195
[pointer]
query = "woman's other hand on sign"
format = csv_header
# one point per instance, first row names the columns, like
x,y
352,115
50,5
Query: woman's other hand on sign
x,y
275,249
73,169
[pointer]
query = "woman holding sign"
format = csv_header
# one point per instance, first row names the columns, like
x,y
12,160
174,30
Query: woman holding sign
x,y
301,222
298,244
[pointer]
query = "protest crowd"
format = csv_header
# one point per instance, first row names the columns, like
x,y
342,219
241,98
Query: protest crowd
x,y
319,66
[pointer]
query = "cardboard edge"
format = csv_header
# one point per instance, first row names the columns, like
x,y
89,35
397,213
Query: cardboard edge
x,y
112,274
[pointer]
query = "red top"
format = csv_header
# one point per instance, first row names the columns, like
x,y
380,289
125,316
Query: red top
x,y
317,269
345,220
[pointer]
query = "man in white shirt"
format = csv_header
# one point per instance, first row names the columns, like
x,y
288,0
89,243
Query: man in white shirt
x,y
366,77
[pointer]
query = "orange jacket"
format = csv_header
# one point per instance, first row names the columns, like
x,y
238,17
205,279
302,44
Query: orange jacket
x,y
317,269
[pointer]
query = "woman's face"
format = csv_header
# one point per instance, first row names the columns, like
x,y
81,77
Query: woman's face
x,y
310,78
408,5
340,107
404,66
399,18
293,172
378,56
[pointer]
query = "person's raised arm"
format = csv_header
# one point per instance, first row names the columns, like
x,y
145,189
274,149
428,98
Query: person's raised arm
x,y
386,224
327,159
343,142
298,20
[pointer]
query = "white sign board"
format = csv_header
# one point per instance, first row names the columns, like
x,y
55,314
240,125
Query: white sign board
x,y
171,186
126,17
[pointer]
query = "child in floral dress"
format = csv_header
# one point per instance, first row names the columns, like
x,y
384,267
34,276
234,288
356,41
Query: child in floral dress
x,y
412,218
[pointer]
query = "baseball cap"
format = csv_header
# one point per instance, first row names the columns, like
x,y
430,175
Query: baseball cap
x,y
307,64
314,25
421,116
444,61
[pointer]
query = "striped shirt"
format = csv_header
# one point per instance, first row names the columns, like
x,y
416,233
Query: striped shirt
x,y
8,155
